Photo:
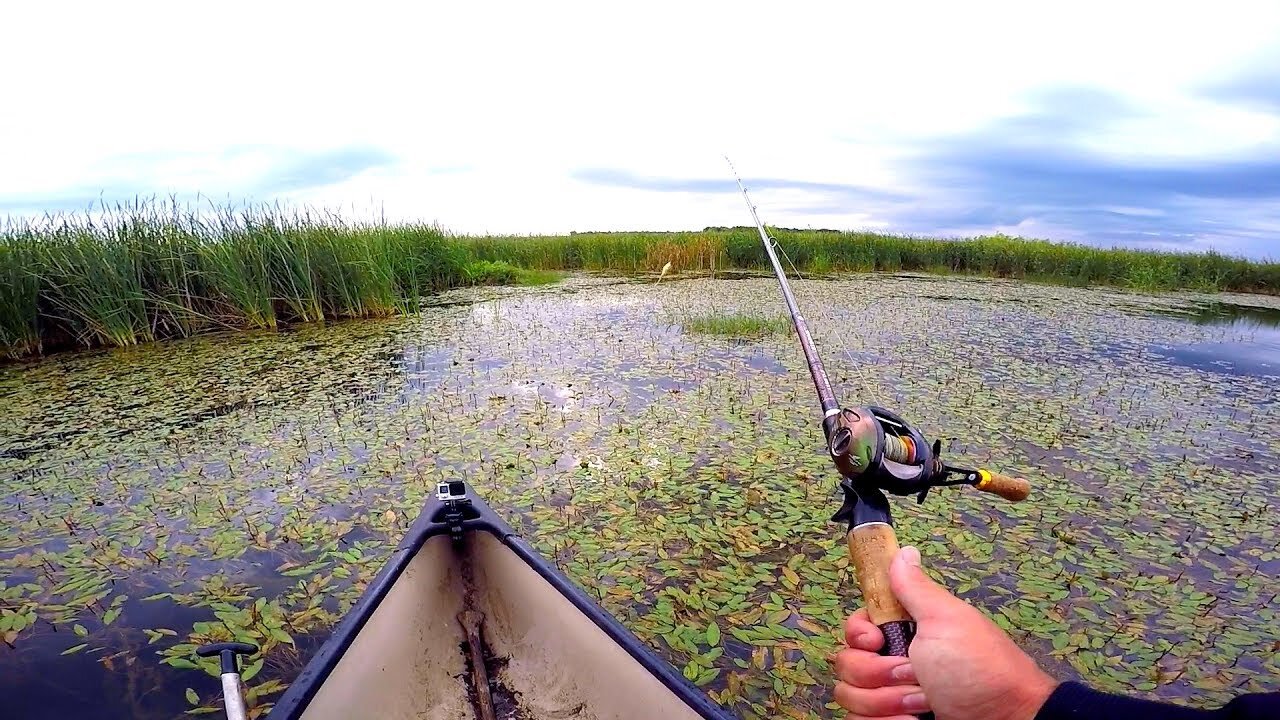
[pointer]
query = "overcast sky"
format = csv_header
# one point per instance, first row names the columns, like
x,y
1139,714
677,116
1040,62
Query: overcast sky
x,y
1110,122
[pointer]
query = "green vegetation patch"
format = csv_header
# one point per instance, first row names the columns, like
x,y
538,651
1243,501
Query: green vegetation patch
x,y
826,251
149,271
500,272
251,485
735,325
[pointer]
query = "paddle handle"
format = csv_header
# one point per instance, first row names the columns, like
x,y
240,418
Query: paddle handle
x,y
872,547
232,689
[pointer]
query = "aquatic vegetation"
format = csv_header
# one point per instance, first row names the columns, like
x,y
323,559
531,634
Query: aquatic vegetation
x,y
150,271
500,272
250,485
718,249
735,324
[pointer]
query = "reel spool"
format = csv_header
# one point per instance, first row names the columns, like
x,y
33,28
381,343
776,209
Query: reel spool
x,y
876,447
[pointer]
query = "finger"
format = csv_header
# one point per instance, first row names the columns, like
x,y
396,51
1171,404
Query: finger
x,y
855,716
919,594
881,702
865,669
861,633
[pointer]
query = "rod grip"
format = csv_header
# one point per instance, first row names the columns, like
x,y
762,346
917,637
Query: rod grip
x,y
1010,488
872,548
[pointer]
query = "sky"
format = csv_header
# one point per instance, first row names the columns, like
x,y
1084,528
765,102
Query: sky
x,y
1142,124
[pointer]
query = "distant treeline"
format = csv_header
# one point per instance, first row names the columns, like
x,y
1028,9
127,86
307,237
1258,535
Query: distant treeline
x,y
152,271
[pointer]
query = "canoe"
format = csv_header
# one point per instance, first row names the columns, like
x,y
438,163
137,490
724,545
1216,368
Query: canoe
x,y
539,644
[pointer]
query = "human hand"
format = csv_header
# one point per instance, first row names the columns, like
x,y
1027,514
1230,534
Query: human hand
x,y
961,665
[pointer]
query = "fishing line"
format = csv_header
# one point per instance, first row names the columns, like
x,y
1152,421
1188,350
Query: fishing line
x,y
777,245
829,315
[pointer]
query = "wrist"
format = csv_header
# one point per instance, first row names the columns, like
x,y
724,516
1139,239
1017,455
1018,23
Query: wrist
x,y
1033,695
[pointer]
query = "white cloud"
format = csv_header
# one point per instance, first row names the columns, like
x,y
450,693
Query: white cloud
x,y
489,108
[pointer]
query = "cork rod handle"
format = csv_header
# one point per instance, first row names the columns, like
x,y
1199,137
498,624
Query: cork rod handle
x,y
1014,489
872,548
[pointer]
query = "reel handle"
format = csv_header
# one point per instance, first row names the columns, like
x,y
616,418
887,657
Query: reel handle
x,y
1013,489
872,547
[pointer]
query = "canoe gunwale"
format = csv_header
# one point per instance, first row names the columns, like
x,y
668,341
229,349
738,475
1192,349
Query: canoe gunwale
x,y
429,524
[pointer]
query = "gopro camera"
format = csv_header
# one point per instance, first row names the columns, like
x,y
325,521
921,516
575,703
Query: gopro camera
x,y
454,490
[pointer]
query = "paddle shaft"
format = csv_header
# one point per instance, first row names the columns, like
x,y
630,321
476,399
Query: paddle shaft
x,y
233,701
471,621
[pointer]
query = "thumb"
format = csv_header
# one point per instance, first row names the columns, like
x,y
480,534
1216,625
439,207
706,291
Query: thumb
x,y
919,594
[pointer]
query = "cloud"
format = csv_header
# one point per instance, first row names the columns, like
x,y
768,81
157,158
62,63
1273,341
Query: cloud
x,y
246,173
88,199
1065,113
1159,134
1038,166
304,171
1031,158
71,201
1021,175
1043,171
1256,86
624,179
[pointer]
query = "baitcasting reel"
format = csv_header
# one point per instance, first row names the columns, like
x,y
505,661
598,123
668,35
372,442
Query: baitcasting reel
x,y
874,448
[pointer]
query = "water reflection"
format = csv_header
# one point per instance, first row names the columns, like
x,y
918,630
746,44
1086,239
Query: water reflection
x,y
1244,316
1250,346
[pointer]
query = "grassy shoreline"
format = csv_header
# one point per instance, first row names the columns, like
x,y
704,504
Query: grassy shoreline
x,y
150,271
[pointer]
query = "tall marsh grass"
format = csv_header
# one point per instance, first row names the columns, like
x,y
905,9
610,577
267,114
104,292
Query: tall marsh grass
x,y
149,271
828,251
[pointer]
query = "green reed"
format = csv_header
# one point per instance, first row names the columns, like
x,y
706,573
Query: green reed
x,y
827,251
136,273
149,270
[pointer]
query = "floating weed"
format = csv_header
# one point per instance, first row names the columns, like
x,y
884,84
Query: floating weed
x,y
250,486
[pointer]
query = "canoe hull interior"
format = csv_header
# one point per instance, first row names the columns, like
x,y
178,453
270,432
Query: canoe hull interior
x,y
551,652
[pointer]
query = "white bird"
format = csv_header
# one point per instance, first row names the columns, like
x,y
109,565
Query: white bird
x,y
665,269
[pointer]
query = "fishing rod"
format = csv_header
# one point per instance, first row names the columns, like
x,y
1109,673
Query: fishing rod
x,y
876,451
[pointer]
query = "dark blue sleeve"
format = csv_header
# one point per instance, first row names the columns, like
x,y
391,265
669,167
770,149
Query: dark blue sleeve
x,y
1073,701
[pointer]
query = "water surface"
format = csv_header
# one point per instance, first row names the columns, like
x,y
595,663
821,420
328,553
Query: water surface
x,y
249,486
